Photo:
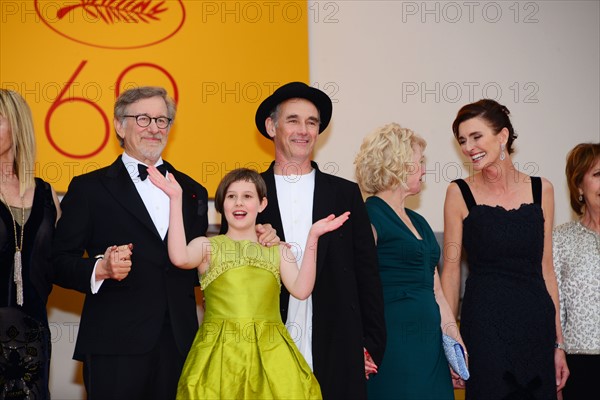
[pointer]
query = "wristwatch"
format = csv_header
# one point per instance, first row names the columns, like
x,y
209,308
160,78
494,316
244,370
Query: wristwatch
x,y
560,346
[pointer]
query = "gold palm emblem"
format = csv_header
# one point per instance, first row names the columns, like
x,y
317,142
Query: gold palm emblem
x,y
112,11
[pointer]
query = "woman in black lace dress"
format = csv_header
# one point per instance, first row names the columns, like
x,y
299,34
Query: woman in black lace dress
x,y
502,218
29,209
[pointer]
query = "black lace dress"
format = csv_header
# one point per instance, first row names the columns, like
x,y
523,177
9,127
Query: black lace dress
x,y
24,334
507,317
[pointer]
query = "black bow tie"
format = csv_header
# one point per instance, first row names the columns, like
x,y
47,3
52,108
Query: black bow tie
x,y
143,170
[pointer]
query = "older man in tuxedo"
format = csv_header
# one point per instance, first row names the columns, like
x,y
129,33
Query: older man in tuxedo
x,y
341,325
139,316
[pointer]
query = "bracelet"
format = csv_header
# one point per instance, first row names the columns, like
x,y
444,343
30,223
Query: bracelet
x,y
560,346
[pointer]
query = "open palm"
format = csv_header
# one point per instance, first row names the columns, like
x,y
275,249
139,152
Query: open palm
x,y
168,185
329,223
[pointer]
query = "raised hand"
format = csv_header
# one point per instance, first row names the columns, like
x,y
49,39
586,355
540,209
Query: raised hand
x,y
167,184
300,283
329,223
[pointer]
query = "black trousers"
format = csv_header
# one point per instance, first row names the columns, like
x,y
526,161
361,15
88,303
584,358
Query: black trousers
x,y
153,375
584,376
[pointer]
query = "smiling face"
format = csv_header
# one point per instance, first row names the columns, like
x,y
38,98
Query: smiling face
x,y
480,143
590,187
242,204
144,144
295,132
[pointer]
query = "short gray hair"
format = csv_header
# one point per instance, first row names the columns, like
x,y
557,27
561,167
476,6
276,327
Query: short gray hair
x,y
130,96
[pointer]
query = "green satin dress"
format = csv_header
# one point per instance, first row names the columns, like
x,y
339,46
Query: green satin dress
x,y
414,366
242,349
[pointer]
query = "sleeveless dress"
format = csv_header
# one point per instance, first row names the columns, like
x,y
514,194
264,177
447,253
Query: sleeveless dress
x,y
24,333
242,349
507,316
414,365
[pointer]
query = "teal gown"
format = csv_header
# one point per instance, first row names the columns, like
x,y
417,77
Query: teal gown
x,y
242,349
414,365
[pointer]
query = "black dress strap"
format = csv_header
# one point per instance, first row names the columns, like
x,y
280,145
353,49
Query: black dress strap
x,y
466,192
536,188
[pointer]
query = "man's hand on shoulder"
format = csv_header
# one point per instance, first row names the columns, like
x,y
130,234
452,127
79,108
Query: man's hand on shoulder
x,y
267,235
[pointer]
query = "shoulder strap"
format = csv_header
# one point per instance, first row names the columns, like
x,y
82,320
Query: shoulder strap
x,y
45,185
466,192
536,188
44,190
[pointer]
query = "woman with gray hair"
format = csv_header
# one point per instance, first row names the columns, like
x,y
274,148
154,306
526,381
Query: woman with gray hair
x,y
389,167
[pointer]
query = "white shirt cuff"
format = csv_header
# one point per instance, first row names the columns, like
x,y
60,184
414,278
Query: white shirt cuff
x,y
94,284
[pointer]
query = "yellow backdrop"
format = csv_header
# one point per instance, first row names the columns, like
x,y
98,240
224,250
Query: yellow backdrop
x,y
219,59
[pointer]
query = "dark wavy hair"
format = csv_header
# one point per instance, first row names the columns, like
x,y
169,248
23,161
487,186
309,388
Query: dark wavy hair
x,y
495,114
240,174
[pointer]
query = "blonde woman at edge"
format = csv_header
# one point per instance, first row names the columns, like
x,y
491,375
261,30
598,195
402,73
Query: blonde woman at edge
x,y
29,209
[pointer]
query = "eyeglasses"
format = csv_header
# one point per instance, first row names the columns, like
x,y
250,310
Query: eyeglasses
x,y
143,121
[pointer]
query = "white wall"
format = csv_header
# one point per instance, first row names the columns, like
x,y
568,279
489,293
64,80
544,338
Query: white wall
x,y
417,63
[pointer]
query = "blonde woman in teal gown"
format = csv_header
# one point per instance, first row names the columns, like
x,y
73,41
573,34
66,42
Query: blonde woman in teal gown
x,y
389,167
242,349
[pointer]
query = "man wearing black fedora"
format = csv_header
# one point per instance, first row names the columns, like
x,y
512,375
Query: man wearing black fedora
x,y
341,326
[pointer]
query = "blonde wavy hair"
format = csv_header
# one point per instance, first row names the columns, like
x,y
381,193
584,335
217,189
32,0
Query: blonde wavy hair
x,y
383,161
16,111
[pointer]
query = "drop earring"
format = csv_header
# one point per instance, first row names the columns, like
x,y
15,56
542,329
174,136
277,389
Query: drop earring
x,y
502,153
580,198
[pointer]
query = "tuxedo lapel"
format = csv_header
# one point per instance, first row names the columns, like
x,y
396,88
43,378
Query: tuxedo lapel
x,y
119,184
323,203
193,205
271,214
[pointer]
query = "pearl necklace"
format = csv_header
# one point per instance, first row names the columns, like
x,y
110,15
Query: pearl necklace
x,y
18,266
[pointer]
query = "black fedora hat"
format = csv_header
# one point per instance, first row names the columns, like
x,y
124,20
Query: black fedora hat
x,y
294,90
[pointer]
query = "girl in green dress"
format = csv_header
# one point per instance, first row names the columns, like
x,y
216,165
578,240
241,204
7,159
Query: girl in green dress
x,y
242,349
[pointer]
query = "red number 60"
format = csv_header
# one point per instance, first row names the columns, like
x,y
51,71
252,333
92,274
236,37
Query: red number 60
x,y
60,101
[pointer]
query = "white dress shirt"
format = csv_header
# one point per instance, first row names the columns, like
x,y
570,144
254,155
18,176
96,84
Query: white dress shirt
x,y
155,200
295,196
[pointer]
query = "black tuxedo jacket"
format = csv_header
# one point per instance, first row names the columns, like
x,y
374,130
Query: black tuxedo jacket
x,y
103,208
347,298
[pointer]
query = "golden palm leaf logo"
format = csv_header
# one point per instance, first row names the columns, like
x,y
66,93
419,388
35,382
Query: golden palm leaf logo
x,y
111,11
114,24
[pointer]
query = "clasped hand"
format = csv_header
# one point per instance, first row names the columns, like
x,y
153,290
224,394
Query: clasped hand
x,y
116,262
370,366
